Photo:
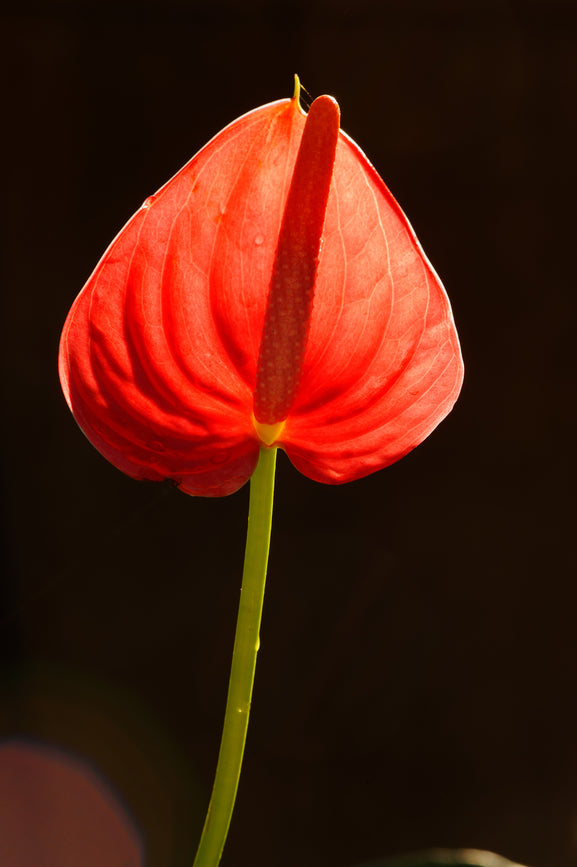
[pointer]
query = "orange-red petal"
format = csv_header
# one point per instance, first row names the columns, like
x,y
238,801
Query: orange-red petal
x,y
383,364
159,351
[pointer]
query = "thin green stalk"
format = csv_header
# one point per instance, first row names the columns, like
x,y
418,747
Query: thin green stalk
x,y
246,645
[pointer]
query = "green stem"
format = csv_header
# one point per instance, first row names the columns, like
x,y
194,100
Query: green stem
x,y
246,645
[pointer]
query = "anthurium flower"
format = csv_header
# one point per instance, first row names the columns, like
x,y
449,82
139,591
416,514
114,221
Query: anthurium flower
x,y
272,293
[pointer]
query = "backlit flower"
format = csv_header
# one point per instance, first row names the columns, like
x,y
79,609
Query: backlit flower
x,y
272,292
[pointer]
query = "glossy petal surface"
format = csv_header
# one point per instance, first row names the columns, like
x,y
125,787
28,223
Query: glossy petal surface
x,y
159,352
383,364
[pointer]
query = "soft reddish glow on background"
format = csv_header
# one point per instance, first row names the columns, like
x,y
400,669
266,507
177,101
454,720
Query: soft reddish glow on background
x,y
55,811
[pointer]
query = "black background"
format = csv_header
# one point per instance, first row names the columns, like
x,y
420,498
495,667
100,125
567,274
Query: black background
x,y
418,669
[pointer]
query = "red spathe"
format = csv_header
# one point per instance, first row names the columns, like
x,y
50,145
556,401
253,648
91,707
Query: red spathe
x,y
159,353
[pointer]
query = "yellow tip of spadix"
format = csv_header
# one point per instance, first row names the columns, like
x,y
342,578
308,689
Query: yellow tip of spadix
x,y
297,90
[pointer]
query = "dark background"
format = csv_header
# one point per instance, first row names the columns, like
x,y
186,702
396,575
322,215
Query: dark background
x,y
417,678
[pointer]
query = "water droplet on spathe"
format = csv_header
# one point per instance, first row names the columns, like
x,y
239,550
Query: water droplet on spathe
x,y
258,240
148,201
156,446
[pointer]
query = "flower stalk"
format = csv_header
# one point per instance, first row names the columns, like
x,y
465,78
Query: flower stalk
x,y
246,645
